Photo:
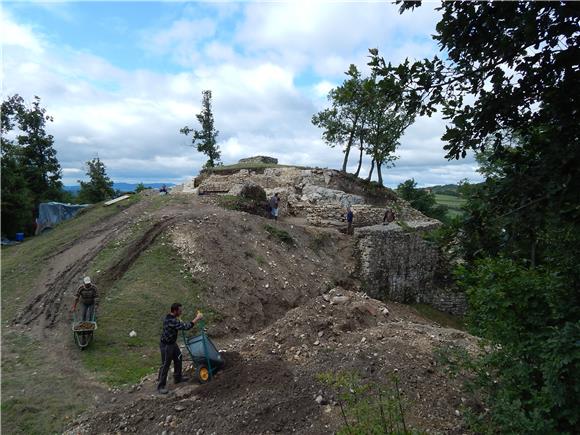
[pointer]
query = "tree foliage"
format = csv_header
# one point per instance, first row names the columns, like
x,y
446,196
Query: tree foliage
x,y
421,200
205,138
30,170
99,187
508,85
361,113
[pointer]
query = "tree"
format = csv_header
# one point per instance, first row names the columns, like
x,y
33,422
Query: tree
x,y
361,112
99,187
387,120
421,200
509,87
30,170
205,139
342,122
522,79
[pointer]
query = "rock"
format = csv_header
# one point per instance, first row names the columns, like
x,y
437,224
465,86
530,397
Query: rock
x,y
316,343
179,408
339,300
319,399
326,297
132,334
385,311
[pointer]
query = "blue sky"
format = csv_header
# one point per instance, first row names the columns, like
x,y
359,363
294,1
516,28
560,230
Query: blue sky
x,y
121,79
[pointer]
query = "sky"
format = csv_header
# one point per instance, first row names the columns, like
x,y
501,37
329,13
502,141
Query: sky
x,y
122,78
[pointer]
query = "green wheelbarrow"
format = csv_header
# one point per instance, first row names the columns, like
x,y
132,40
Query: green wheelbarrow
x,y
83,330
207,361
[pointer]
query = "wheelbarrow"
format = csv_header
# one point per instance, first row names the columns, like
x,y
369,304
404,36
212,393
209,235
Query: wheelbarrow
x,y
207,361
83,330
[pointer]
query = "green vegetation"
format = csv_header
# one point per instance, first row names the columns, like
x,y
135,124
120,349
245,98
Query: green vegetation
x,y
99,187
368,408
251,166
205,138
139,301
36,398
443,319
279,234
519,238
421,200
30,170
363,115
22,264
453,203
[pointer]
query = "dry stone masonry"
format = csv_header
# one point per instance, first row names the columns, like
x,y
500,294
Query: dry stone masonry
x,y
393,262
396,263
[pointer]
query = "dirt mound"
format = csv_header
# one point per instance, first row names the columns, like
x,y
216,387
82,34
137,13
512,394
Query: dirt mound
x,y
250,272
251,396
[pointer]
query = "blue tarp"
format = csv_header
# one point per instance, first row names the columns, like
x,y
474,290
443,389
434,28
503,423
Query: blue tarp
x,y
52,213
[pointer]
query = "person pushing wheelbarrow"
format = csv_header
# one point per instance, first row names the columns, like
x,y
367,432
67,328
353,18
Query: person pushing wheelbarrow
x,y
170,349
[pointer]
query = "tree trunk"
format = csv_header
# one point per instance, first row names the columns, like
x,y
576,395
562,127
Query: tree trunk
x,y
349,145
379,173
371,171
360,158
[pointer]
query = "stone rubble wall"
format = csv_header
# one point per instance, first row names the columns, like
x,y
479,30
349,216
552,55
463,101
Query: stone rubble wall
x,y
397,264
310,193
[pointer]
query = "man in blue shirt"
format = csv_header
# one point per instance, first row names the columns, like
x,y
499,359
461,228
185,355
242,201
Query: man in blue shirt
x,y
170,349
349,219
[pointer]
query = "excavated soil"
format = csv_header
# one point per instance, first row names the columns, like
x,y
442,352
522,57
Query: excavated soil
x,y
285,312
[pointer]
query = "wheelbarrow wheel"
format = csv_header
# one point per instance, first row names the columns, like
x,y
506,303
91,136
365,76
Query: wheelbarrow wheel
x,y
201,374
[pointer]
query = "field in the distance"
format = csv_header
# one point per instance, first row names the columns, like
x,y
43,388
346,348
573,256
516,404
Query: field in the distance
x,y
454,203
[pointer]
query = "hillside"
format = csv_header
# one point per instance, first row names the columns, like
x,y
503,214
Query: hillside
x,y
280,298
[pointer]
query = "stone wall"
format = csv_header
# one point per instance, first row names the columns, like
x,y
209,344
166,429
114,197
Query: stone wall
x,y
397,264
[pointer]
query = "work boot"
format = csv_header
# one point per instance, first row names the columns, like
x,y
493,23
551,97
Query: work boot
x,y
162,390
183,379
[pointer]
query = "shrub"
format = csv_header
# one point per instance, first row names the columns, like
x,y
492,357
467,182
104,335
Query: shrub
x,y
280,234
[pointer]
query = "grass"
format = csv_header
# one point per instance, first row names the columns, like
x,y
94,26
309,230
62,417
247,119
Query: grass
x,y
443,319
251,166
454,204
36,398
279,234
138,302
22,264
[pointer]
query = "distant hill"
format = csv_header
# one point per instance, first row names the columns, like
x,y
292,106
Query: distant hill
x,y
446,189
122,187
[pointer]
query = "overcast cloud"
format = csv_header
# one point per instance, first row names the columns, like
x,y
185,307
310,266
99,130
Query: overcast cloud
x,y
124,94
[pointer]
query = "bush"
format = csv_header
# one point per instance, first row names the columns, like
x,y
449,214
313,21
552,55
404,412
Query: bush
x,y
280,234
530,318
368,408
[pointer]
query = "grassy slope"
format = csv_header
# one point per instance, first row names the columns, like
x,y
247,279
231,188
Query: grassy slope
x,y
138,302
21,264
36,398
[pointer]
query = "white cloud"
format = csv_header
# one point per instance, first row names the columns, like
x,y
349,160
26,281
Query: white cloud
x,y
131,118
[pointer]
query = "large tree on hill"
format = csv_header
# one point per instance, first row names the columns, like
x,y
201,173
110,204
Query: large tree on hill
x,y
30,170
205,138
386,121
509,86
342,122
99,187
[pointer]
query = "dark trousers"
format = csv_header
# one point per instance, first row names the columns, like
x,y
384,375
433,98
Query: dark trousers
x,y
87,311
169,352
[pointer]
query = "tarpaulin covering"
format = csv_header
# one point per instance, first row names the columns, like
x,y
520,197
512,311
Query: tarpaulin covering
x,y
52,213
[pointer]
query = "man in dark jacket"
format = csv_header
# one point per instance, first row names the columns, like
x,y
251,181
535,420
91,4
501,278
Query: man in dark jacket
x,y
88,296
170,349
274,204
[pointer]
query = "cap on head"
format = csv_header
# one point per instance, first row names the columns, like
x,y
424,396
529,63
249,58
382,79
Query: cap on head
x,y
87,280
